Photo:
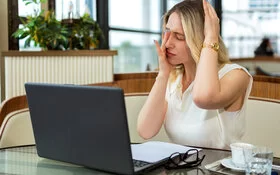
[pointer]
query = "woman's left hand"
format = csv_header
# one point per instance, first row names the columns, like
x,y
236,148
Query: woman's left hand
x,y
211,23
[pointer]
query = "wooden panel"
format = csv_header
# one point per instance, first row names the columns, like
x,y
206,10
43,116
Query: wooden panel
x,y
12,104
66,67
132,82
258,58
15,53
136,82
266,87
263,86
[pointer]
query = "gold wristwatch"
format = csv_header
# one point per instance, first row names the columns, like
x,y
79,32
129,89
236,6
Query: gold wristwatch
x,y
214,46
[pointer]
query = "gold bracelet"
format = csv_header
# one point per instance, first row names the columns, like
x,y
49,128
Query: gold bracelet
x,y
214,46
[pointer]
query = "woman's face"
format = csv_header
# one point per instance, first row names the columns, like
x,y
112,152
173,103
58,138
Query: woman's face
x,y
177,51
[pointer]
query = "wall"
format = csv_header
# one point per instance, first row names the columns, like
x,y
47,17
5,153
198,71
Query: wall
x,y
4,43
3,25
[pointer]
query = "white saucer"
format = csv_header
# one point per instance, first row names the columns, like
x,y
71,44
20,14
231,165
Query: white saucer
x,y
228,164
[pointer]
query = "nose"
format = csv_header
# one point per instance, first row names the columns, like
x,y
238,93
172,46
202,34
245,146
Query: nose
x,y
170,41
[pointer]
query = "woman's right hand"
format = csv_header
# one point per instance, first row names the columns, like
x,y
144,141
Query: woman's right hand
x,y
164,66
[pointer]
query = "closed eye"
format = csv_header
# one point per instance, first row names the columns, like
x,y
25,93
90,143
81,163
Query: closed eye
x,y
180,37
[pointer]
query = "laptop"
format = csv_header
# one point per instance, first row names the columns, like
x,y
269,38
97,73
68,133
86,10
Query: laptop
x,y
83,125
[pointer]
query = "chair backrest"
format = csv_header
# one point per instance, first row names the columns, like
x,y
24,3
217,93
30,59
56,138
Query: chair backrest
x,y
11,105
134,103
16,128
262,123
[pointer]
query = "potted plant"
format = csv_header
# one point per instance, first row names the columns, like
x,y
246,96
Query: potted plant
x,y
44,29
85,33
50,34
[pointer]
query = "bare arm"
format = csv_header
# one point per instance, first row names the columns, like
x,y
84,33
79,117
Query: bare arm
x,y
151,116
209,92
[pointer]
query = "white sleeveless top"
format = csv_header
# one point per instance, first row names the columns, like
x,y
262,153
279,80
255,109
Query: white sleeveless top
x,y
187,124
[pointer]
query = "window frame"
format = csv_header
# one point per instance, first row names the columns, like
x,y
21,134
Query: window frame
x,y
102,19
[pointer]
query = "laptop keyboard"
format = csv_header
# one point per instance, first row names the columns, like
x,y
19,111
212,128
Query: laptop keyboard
x,y
139,163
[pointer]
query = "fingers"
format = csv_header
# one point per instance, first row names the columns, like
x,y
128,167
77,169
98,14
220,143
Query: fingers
x,y
159,51
211,22
209,10
212,11
165,38
162,49
205,7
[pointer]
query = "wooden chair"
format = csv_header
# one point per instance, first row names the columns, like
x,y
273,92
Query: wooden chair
x,y
16,128
262,123
11,105
134,103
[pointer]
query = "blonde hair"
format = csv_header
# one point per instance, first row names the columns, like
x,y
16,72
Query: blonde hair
x,y
192,15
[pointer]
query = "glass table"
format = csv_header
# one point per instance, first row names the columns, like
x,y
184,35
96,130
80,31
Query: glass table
x,y
24,160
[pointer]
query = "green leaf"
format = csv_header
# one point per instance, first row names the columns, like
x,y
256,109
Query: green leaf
x,y
27,42
17,33
23,35
28,3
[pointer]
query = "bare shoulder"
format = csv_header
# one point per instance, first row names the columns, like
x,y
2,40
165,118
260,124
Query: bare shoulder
x,y
236,77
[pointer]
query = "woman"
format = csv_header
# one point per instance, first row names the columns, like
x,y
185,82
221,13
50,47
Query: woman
x,y
198,94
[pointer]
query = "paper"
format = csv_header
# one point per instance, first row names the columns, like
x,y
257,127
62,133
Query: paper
x,y
153,151
276,167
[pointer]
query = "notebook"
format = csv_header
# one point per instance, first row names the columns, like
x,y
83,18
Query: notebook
x,y
83,125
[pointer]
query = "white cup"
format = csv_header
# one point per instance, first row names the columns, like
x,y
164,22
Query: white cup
x,y
237,153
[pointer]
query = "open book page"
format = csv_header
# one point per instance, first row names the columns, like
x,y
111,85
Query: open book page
x,y
153,151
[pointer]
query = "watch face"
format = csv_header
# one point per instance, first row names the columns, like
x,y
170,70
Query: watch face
x,y
215,46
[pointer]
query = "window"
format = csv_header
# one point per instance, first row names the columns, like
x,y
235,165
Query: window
x,y
171,3
129,27
246,22
136,51
16,10
67,9
25,10
132,31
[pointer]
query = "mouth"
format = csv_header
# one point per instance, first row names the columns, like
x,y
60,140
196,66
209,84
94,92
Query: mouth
x,y
169,54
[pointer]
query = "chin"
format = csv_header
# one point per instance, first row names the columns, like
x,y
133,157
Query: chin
x,y
173,63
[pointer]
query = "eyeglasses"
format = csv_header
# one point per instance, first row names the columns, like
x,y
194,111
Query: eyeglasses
x,y
189,159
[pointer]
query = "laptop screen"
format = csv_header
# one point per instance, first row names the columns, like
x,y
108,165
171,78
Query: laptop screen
x,y
84,125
